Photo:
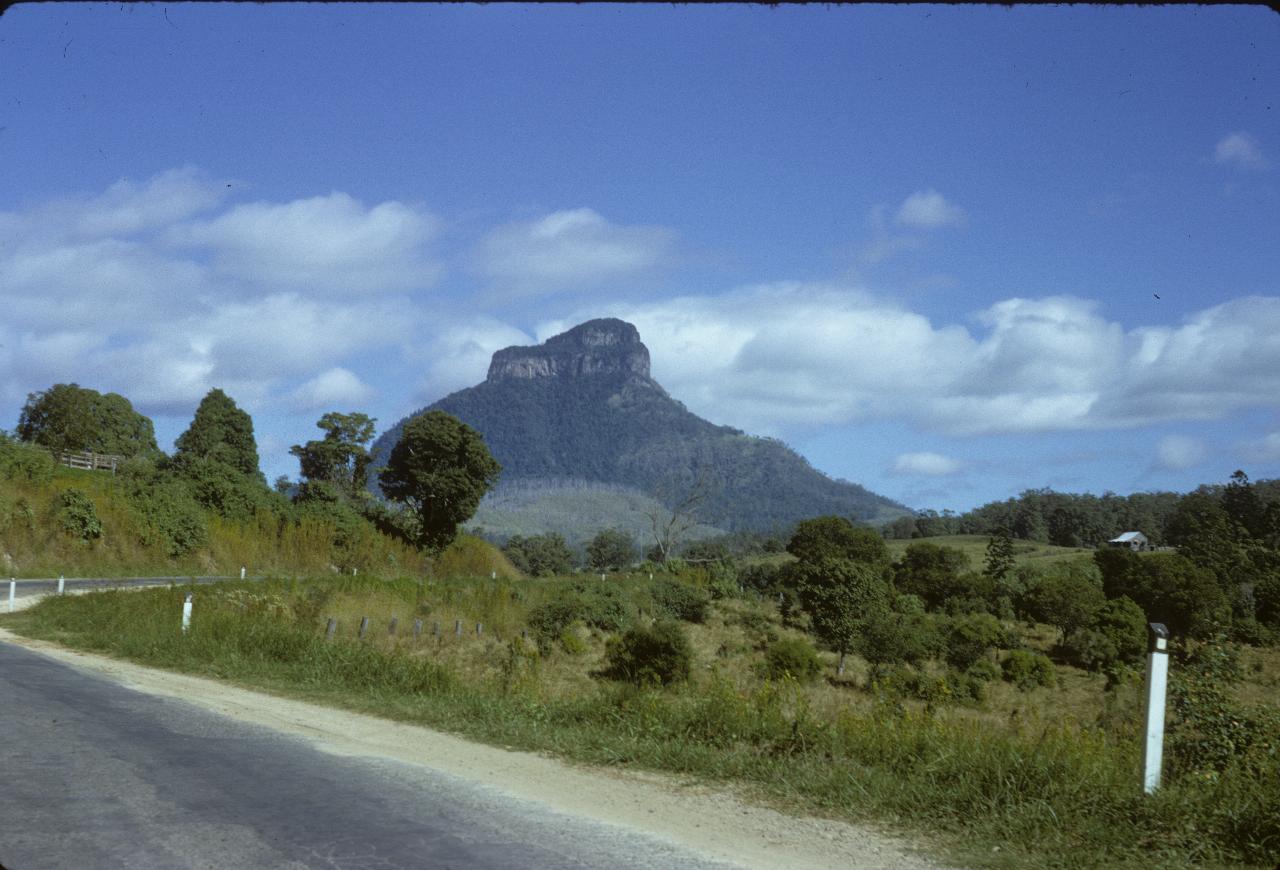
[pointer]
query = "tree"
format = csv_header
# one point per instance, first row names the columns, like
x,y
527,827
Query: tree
x,y
932,572
1067,597
839,595
341,457
836,538
610,550
669,525
1174,590
222,433
999,554
68,417
440,469
539,555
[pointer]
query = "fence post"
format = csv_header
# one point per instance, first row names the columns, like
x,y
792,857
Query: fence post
x,y
391,626
186,614
364,625
457,628
1157,682
479,628
435,629
417,628
330,628
62,583
13,591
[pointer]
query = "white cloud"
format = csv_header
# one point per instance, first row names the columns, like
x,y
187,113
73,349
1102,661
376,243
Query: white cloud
x,y
928,209
457,354
1178,452
925,465
769,357
568,248
326,243
332,389
1240,149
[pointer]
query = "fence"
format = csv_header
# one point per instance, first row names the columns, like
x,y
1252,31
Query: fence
x,y
90,461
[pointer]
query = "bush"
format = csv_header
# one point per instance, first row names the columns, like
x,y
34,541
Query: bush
x,y
794,657
77,515
646,655
677,600
984,669
24,462
1026,670
594,604
892,638
971,637
1090,649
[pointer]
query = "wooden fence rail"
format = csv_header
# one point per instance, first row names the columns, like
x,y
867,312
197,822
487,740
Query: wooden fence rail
x,y
90,461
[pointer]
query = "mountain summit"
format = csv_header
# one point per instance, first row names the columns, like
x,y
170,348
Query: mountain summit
x,y
598,347
580,415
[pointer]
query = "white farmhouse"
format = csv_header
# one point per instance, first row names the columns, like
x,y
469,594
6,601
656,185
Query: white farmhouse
x,y
1135,541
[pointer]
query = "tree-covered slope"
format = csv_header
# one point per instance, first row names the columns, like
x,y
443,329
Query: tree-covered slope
x,y
582,406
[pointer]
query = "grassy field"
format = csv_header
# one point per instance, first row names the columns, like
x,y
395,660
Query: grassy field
x,y
1049,776
975,549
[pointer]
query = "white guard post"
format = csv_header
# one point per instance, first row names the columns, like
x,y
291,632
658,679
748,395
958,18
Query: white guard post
x,y
13,589
186,614
241,572
1157,684
62,584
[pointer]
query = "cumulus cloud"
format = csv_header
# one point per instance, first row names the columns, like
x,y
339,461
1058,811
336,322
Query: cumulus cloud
x,y
782,355
569,248
457,353
1241,150
928,209
924,465
335,388
1178,452
328,243
1265,449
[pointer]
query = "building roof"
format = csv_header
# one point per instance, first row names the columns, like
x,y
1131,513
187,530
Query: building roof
x,y
1127,537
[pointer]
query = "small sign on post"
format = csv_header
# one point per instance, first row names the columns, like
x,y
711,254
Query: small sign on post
x,y
186,614
1157,683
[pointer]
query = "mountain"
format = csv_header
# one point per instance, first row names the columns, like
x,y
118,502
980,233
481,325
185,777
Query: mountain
x,y
583,408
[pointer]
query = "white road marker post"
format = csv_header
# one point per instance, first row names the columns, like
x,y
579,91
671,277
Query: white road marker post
x,y
186,614
241,572
13,591
62,584
1157,683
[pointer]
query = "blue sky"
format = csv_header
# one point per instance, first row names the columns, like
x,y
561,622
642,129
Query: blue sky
x,y
948,252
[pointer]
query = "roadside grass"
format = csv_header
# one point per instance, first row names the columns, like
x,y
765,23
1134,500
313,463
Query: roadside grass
x,y
1028,779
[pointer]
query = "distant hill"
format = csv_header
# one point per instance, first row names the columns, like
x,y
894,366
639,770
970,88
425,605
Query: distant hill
x,y
582,407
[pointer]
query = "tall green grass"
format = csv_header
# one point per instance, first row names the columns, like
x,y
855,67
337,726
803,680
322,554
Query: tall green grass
x,y
1038,791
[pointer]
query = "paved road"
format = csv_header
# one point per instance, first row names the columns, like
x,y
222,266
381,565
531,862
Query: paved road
x,y
93,775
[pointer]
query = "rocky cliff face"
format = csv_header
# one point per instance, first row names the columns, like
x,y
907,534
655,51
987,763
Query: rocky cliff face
x,y
597,347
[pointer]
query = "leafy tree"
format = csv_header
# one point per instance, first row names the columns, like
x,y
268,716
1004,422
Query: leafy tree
x,y
1266,595
341,457
839,595
1241,503
539,555
611,550
68,417
999,555
1169,588
1203,532
894,637
440,468
971,637
220,432
932,572
1122,622
830,537
1067,597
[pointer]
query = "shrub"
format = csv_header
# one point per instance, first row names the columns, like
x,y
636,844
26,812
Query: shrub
x,y
77,515
984,669
892,638
594,604
1125,625
1090,649
677,600
645,655
794,657
970,638
1026,670
24,462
